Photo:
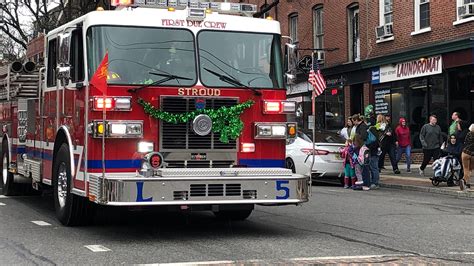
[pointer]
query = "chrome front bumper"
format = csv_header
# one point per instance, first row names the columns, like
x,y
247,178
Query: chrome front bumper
x,y
266,186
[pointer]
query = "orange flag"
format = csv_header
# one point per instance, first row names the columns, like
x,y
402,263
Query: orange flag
x,y
99,79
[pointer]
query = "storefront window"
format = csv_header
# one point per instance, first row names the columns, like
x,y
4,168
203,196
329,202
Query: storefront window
x,y
415,100
460,95
330,109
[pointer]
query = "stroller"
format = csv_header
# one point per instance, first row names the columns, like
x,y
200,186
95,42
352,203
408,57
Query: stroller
x,y
446,169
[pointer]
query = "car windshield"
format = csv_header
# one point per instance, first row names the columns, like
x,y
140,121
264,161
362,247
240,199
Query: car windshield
x,y
322,137
252,59
134,52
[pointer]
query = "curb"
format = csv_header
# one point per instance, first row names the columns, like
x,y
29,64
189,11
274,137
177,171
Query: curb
x,y
457,194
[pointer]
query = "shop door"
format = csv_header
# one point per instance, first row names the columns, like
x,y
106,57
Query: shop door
x,y
357,98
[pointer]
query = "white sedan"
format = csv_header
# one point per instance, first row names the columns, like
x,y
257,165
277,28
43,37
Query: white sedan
x,y
327,161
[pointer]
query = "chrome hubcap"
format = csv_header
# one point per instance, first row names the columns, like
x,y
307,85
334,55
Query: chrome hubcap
x,y
5,170
62,185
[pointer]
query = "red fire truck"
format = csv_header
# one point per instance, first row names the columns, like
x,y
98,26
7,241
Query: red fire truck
x,y
194,115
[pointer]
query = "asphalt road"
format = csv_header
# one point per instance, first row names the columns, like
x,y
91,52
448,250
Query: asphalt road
x,y
337,225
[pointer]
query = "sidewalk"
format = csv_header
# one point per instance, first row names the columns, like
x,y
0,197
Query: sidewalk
x,y
413,181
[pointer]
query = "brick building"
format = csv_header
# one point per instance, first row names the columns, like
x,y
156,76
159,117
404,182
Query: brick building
x,y
408,58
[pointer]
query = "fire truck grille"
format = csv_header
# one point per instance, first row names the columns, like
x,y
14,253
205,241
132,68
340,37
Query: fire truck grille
x,y
199,164
213,190
181,136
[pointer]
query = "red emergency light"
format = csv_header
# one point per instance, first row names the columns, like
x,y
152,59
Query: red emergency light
x,y
101,103
279,107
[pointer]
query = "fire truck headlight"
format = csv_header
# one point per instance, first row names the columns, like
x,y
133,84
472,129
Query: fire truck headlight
x,y
268,130
279,131
124,129
118,129
144,146
135,129
264,130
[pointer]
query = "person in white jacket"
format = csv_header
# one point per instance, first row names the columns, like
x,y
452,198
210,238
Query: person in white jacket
x,y
348,132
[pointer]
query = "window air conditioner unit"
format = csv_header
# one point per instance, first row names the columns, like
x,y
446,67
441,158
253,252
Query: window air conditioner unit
x,y
320,56
384,31
466,10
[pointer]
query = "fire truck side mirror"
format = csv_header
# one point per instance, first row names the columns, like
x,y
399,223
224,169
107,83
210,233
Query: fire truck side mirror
x,y
292,58
64,67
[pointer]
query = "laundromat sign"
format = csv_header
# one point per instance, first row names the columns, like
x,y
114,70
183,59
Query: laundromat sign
x,y
406,70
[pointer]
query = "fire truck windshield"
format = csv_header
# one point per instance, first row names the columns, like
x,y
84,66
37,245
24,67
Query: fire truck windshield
x,y
136,54
254,59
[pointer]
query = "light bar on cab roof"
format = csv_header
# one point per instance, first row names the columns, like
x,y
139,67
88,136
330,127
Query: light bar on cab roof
x,y
220,7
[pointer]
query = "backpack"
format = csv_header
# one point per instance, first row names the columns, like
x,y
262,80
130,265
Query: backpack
x,y
364,154
371,138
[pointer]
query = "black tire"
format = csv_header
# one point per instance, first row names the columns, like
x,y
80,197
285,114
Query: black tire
x,y
9,188
289,164
237,215
435,182
70,209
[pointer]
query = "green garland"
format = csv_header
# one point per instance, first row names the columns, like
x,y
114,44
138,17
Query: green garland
x,y
225,120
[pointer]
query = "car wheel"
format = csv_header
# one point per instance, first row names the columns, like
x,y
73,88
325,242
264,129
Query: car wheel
x,y
289,164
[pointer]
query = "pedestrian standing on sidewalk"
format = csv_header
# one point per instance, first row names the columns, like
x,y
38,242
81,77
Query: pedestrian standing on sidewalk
x,y
373,144
387,143
454,127
348,131
463,129
361,126
358,164
431,140
347,153
361,132
467,157
403,142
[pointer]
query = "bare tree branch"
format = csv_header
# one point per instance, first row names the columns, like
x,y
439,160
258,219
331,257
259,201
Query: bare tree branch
x,y
24,19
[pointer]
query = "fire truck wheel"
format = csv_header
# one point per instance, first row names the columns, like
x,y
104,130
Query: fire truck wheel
x,y
237,215
70,209
8,184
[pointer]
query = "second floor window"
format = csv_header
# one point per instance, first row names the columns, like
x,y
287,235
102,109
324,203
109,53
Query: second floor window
x,y
463,11
353,30
387,11
318,28
422,14
293,27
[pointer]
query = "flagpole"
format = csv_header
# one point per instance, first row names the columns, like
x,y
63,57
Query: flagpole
x,y
313,108
103,153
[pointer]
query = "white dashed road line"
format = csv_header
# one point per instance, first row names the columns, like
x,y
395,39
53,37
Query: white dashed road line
x,y
97,248
352,257
41,223
195,263
461,253
3,197
2,204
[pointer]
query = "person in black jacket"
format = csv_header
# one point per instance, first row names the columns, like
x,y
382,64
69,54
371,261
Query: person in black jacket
x,y
361,126
463,129
387,143
453,148
374,158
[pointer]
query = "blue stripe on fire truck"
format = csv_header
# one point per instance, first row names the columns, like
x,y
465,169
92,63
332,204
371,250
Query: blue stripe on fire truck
x,y
97,164
262,162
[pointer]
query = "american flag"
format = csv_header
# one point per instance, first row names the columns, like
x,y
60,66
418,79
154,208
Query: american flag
x,y
316,79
